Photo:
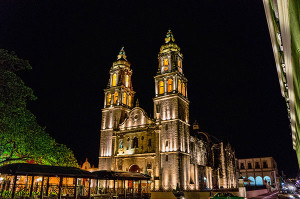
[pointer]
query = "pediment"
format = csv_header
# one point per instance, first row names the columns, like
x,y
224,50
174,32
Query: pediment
x,y
137,117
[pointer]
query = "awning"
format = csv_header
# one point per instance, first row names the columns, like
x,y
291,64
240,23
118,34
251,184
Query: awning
x,y
71,172
44,170
119,175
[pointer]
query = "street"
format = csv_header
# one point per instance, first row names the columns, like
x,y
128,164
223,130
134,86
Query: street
x,y
267,195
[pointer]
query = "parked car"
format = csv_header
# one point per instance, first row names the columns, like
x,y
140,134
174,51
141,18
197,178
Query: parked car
x,y
226,195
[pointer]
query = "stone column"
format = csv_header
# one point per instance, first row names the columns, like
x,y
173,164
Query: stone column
x,y
105,98
117,78
176,83
156,88
165,86
119,97
186,93
173,78
111,79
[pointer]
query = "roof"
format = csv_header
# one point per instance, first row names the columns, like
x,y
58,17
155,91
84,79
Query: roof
x,y
72,172
116,175
44,170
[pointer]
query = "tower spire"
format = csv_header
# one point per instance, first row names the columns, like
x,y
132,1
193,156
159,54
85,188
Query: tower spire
x,y
169,37
122,54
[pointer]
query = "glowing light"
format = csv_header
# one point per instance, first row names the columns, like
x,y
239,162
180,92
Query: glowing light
x,y
161,87
126,80
166,62
114,80
170,85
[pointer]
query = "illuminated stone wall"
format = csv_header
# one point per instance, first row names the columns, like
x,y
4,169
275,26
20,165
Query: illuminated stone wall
x,y
161,146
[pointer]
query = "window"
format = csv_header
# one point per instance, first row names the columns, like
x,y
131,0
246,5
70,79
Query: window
x,y
126,81
179,86
242,166
192,146
121,144
135,143
170,85
179,63
114,80
166,68
167,143
149,142
257,165
167,127
129,101
167,158
161,87
149,166
120,166
115,97
124,98
108,99
249,165
265,165
166,62
183,89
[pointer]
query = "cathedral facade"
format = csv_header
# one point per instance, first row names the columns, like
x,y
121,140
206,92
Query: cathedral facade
x,y
162,147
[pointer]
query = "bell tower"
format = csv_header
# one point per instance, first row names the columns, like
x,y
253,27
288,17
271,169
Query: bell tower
x,y
171,108
118,101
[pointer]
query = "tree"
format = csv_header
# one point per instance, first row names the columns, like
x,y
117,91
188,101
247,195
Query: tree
x,y
22,139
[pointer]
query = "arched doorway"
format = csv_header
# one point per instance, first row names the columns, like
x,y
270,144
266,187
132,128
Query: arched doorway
x,y
134,168
267,180
252,181
258,181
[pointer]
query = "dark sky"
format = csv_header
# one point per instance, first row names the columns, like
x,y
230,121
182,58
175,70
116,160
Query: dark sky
x,y
228,60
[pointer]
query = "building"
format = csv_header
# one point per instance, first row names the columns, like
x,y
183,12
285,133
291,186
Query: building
x,y
260,171
87,166
163,146
284,27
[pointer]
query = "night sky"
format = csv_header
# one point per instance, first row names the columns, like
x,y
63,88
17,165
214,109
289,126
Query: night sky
x,y
233,85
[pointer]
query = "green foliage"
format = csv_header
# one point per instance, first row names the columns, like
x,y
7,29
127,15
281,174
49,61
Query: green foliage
x,y
21,138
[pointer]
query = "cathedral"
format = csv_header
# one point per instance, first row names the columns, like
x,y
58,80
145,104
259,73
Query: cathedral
x,y
167,147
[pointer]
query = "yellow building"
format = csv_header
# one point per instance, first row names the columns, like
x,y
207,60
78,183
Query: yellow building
x,y
161,146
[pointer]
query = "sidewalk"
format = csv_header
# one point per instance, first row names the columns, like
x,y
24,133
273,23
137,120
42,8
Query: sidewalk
x,y
267,195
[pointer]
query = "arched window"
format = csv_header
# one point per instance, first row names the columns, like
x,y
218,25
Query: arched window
x,y
179,66
166,62
170,85
127,81
124,98
258,181
161,87
108,99
114,80
129,101
135,142
267,180
179,86
115,97
183,89
252,181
